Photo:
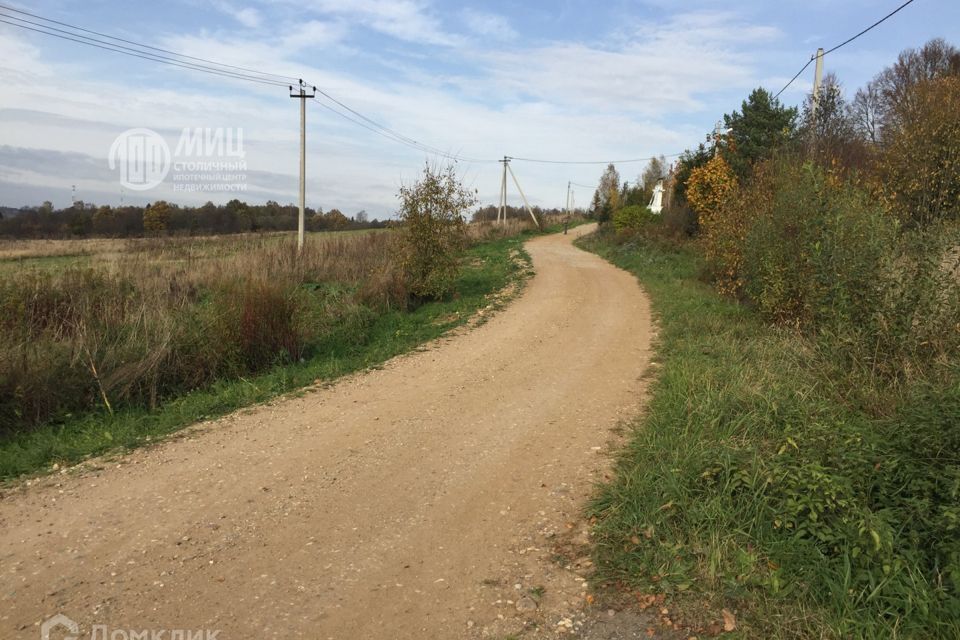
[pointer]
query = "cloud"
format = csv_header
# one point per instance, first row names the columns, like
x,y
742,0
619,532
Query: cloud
x,y
247,16
488,25
654,70
407,20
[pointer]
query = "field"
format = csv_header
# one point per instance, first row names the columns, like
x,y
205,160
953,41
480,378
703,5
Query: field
x,y
109,343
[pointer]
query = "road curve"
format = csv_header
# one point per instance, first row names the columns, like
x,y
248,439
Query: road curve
x,y
387,505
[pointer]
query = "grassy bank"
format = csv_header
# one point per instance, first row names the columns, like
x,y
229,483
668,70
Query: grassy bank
x,y
352,325
752,483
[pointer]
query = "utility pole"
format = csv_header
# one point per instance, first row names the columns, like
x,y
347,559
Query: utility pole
x,y
568,199
302,95
718,133
502,211
817,81
526,204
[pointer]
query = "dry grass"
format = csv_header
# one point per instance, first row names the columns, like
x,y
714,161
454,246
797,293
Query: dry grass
x,y
144,320
132,322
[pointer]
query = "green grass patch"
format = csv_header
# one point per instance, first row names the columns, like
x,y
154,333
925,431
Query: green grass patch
x,y
750,484
359,342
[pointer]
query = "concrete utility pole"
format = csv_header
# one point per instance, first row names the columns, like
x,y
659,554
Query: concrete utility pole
x,y
302,95
525,203
568,199
502,211
817,81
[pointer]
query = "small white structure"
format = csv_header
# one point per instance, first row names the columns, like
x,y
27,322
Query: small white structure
x,y
656,202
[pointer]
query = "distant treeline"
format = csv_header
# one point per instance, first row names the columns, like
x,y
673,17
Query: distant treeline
x,y
163,218
83,220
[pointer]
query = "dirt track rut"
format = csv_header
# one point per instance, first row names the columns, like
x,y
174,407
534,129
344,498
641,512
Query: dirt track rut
x,y
419,500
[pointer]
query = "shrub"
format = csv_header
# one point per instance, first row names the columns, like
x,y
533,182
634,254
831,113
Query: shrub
x,y
919,166
433,232
822,256
680,220
632,218
712,194
815,256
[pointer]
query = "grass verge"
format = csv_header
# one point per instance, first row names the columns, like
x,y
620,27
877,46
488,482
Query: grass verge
x,y
750,485
489,268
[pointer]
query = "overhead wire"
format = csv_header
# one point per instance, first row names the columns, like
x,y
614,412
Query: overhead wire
x,y
544,161
394,136
99,44
210,66
287,79
844,43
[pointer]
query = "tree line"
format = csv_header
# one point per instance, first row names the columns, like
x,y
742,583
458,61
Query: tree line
x,y
159,218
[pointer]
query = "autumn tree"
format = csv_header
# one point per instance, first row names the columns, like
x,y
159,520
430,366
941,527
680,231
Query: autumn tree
x,y
919,168
866,113
894,85
607,197
829,129
156,217
433,212
689,160
711,191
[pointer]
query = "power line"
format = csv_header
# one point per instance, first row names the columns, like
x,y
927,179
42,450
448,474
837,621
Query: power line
x,y
542,161
793,78
875,24
398,136
286,79
393,136
845,43
91,42
261,77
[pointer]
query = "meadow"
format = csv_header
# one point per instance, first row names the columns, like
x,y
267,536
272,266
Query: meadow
x,y
108,343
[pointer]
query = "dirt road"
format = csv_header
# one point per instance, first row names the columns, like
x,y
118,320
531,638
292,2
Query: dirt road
x,y
426,499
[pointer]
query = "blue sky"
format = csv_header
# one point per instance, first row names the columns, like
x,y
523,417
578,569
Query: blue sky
x,y
564,80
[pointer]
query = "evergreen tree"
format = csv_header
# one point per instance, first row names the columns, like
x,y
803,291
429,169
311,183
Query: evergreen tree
x,y
761,126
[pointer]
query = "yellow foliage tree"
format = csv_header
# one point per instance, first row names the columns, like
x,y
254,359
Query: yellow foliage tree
x,y
711,193
919,168
156,217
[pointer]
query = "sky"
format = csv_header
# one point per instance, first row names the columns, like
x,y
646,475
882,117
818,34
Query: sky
x,y
558,80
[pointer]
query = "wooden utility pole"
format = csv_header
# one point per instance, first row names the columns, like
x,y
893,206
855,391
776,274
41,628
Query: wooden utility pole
x,y
302,95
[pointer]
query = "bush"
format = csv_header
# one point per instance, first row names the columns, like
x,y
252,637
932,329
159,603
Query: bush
x,y
721,214
680,220
433,232
820,255
814,257
632,218
919,167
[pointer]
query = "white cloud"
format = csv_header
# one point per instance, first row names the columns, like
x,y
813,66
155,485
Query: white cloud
x,y
247,16
407,20
488,25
